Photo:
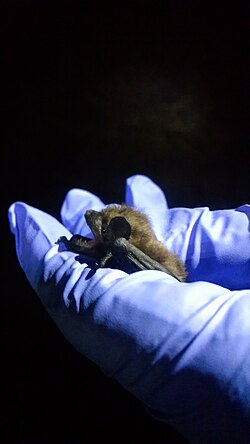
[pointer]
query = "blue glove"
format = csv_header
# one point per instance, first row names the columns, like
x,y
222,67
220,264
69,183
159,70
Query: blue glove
x,y
183,349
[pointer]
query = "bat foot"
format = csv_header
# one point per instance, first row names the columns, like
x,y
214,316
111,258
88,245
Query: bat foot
x,y
62,239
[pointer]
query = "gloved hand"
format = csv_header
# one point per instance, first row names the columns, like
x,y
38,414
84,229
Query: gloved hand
x,y
183,349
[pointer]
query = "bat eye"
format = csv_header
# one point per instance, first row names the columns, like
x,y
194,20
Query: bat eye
x,y
104,229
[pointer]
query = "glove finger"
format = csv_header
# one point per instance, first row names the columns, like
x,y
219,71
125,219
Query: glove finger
x,y
36,232
148,197
75,204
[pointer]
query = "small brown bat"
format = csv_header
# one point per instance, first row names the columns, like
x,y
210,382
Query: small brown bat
x,y
124,238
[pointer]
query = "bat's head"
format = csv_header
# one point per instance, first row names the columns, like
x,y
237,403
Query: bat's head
x,y
107,230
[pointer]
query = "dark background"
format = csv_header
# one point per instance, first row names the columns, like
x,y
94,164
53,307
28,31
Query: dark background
x,y
93,92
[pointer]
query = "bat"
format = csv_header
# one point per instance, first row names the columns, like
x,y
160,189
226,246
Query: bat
x,y
123,238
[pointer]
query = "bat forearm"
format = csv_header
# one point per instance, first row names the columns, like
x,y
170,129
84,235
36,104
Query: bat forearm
x,y
130,256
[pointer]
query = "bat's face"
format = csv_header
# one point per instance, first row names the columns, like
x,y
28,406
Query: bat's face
x,y
107,229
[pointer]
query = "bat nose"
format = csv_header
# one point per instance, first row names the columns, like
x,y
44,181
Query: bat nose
x,y
90,214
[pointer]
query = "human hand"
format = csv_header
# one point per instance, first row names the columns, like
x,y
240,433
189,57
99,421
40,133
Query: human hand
x,y
182,349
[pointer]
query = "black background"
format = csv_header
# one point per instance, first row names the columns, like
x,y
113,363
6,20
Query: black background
x,y
93,92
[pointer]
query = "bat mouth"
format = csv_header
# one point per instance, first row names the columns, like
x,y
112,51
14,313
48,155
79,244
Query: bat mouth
x,y
78,241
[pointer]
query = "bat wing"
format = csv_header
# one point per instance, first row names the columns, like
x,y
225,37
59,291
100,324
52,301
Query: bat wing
x,y
131,259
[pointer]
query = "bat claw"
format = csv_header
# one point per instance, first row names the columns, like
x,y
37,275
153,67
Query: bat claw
x,y
61,239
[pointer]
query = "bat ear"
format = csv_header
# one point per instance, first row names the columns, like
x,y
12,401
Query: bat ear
x,y
120,227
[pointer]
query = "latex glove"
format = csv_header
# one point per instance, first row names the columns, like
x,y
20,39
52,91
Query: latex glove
x,y
183,349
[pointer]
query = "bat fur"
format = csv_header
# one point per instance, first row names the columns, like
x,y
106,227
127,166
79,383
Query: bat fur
x,y
143,237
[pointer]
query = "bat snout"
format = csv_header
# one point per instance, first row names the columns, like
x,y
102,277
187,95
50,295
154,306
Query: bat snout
x,y
94,221
91,213
91,216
